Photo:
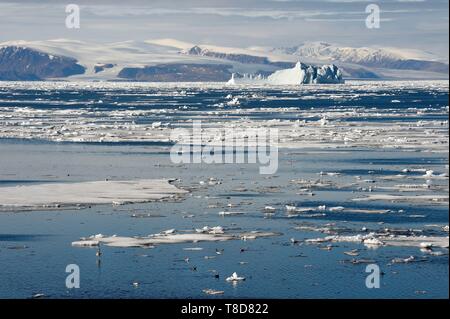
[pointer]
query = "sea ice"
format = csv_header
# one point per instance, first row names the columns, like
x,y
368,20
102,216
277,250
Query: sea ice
x,y
79,194
234,277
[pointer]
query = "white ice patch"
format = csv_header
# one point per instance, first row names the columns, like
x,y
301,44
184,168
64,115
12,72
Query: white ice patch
x,y
58,195
163,238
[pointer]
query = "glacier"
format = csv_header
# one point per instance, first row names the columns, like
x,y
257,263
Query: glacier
x,y
301,73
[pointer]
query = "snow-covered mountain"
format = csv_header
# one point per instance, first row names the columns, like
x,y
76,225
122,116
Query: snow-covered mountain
x,y
172,60
388,58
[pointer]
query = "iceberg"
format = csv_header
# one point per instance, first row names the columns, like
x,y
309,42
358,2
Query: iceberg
x,y
307,74
300,74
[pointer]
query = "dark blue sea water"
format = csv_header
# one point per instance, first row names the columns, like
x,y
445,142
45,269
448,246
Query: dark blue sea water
x,y
35,246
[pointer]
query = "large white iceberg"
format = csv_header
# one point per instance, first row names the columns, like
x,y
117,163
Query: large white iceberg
x,y
300,74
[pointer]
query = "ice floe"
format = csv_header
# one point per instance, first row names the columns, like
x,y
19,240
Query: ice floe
x,y
213,292
82,194
405,198
169,238
376,240
376,237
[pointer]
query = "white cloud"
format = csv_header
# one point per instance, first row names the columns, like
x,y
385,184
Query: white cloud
x,y
233,22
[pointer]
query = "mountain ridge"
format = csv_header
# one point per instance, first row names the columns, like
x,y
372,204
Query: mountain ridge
x,y
110,61
365,56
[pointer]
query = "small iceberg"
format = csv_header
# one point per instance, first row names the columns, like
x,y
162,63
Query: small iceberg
x,y
234,102
234,278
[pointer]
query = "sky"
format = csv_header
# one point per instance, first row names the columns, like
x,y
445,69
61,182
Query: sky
x,y
412,24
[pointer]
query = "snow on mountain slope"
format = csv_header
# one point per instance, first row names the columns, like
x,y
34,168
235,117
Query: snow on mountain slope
x,y
387,58
105,61
327,51
120,54
131,54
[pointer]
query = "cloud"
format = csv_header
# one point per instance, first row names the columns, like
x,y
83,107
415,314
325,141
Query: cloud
x,y
405,23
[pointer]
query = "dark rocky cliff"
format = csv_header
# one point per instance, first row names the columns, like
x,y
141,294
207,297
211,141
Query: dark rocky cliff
x,y
25,64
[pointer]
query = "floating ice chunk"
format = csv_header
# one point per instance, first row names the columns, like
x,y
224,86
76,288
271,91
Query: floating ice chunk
x,y
403,260
171,238
213,292
433,253
407,170
231,81
97,236
426,245
318,240
329,173
429,173
119,203
230,213
368,211
353,252
234,102
415,241
156,124
336,209
290,208
401,198
210,230
372,242
86,243
234,277
216,230
305,209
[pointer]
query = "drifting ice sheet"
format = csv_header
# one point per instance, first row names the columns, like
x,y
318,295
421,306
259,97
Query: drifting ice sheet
x,y
54,195
164,238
